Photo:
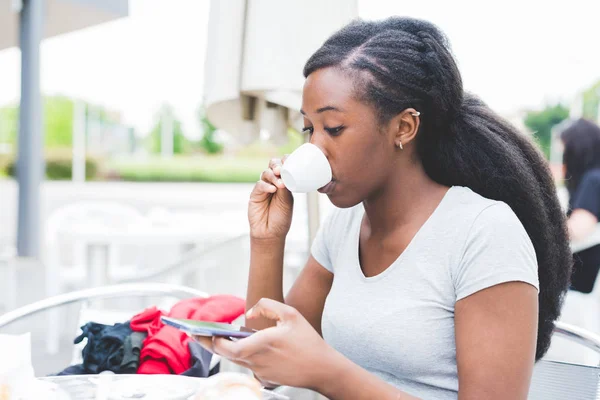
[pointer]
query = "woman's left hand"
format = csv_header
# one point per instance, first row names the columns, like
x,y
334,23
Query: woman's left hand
x,y
291,353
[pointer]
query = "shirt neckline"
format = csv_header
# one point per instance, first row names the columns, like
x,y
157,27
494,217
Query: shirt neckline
x,y
398,260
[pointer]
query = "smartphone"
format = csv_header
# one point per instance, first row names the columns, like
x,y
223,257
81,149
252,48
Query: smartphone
x,y
205,328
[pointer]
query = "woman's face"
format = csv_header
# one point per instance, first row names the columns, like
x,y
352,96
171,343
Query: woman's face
x,y
346,130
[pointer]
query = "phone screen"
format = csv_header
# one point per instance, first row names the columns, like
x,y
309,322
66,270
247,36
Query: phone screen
x,y
205,328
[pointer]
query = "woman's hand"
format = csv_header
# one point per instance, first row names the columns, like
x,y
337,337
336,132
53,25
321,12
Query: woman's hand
x,y
291,353
271,205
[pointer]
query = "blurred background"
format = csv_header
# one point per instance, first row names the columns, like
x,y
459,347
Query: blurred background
x,y
145,123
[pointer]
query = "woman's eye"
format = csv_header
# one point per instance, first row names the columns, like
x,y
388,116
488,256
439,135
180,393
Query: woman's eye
x,y
335,131
308,129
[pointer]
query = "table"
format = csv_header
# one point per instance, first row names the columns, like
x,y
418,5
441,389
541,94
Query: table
x,y
128,387
183,229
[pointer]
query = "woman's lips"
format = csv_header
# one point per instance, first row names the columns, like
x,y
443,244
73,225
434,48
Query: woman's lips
x,y
327,188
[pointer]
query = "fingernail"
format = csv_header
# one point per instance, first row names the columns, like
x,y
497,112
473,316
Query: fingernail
x,y
249,312
279,182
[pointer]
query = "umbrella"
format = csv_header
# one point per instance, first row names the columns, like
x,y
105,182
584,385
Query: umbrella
x,y
255,54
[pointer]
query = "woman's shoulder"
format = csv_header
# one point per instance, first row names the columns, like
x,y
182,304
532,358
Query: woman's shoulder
x,y
463,201
484,213
473,211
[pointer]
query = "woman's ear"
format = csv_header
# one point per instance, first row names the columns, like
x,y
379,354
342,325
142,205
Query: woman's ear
x,y
405,127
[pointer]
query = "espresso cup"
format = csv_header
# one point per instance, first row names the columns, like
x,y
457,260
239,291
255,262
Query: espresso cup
x,y
306,169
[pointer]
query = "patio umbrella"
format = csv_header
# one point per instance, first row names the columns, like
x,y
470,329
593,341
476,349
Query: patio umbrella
x,y
255,54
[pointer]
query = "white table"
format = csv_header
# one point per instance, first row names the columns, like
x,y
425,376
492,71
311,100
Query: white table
x,y
128,387
182,229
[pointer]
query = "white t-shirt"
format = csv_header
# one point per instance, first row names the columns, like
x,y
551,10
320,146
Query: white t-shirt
x,y
399,324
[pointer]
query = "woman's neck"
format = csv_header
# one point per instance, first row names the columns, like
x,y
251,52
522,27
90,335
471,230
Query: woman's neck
x,y
408,198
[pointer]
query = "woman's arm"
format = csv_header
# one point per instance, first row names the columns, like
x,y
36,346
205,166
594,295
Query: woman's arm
x,y
266,276
270,216
581,223
496,335
307,295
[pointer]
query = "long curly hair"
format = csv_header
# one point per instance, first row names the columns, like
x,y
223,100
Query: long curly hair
x,y
404,62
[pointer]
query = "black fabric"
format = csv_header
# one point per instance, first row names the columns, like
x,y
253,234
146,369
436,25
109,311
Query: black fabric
x,y
132,346
200,361
116,348
586,262
585,269
73,370
104,348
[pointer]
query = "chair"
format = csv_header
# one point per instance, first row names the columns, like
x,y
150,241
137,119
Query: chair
x,y
60,274
101,215
553,380
107,292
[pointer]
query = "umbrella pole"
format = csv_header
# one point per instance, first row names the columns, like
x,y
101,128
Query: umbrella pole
x,y
30,159
312,206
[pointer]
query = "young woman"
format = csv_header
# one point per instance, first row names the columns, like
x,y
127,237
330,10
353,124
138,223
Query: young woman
x,y
581,160
443,270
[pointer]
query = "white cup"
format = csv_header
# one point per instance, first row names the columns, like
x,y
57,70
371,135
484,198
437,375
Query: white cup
x,y
306,169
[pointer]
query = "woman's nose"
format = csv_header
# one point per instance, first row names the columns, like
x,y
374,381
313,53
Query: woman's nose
x,y
319,145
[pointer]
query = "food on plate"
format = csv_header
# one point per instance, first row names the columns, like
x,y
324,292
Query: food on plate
x,y
230,386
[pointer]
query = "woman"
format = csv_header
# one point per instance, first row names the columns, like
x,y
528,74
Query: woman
x,y
581,160
424,284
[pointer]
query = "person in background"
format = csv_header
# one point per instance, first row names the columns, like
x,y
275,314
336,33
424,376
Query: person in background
x,y
581,164
442,271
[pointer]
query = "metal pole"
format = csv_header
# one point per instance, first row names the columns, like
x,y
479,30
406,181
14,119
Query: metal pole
x,y
79,150
30,163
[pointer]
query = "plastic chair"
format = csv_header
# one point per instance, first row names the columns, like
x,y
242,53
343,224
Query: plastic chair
x,y
59,274
101,215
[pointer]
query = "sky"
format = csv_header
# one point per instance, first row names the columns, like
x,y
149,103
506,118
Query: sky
x,y
514,54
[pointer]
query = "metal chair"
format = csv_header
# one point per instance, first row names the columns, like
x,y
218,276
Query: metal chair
x,y
103,293
553,380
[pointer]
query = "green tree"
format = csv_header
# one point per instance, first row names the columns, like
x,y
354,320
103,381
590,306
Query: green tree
x,y
58,122
541,123
9,121
180,143
208,142
591,101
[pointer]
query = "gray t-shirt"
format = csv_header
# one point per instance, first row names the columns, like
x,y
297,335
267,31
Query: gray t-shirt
x,y
399,325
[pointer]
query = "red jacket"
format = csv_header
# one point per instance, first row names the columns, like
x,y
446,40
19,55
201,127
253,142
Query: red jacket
x,y
165,350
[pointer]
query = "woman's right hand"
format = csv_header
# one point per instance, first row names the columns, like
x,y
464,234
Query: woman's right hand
x,y
271,205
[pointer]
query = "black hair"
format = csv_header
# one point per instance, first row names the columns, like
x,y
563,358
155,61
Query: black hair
x,y
581,151
399,63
